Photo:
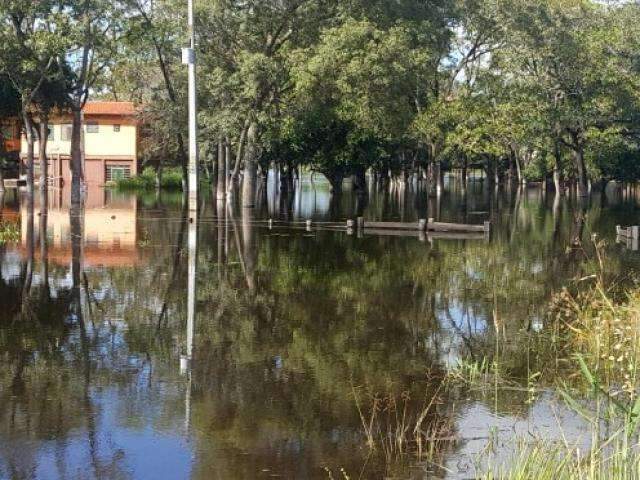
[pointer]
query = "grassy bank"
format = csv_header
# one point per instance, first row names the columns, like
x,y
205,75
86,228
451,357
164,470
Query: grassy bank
x,y
171,180
597,326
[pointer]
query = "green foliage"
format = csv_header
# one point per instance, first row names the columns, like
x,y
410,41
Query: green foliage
x,y
9,233
171,179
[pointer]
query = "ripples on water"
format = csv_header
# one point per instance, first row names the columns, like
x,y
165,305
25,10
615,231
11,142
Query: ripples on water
x,y
288,325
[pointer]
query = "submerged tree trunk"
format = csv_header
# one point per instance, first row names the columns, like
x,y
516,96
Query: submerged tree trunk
x,y
44,258
28,125
77,174
44,162
335,180
28,278
250,167
360,181
249,248
439,173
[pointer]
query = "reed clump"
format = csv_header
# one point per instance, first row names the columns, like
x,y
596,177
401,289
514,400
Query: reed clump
x,y
599,327
399,426
604,331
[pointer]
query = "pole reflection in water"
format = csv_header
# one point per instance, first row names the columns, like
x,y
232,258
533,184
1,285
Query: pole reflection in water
x,y
186,360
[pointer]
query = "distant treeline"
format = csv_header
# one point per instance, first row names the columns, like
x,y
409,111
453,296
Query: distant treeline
x,y
526,90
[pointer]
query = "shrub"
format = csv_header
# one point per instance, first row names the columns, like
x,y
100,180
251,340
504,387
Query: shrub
x,y
171,179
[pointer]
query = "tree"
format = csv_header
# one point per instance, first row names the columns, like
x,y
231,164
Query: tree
x,y
561,51
93,29
30,48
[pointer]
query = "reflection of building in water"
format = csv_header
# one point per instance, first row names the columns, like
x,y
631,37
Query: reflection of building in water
x,y
110,144
10,136
109,228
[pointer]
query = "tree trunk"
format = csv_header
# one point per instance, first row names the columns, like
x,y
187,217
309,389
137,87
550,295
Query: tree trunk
x,y
577,147
44,162
439,174
44,257
236,168
1,175
360,181
159,176
335,180
516,159
249,248
228,160
221,187
250,167
557,169
77,175
464,175
28,125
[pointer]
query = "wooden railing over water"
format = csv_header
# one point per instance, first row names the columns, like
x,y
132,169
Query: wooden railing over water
x,y
422,229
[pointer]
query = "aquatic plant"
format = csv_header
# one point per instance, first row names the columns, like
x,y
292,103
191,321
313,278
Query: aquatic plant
x,y
398,426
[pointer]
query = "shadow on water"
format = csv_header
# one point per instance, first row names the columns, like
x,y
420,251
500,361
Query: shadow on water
x,y
137,344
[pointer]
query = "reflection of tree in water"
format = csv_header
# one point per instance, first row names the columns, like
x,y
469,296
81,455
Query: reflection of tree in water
x,y
46,384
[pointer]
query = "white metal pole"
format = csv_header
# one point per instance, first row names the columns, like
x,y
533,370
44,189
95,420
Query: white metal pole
x,y
189,57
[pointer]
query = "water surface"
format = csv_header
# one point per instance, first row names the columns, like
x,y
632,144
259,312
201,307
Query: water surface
x,y
290,327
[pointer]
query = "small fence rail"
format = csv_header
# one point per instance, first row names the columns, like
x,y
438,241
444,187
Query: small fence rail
x,y
628,236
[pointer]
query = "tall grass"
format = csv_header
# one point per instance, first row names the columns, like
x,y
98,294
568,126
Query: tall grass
x,y
599,325
399,426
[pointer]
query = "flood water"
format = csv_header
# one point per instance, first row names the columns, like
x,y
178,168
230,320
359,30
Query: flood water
x,y
293,333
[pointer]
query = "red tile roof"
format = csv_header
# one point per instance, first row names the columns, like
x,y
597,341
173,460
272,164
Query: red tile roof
x,y
109,108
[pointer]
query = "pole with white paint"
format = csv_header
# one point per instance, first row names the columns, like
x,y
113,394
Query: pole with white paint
x,y
189,58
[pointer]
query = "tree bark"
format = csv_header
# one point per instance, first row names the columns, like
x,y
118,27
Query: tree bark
x,y
438,177
44,163
583,187
577,147
250,167
236,168
221,186
77,174
28,125
557,169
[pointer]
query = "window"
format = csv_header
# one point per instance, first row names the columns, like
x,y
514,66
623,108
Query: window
x,y
93,127
65,135
116,128
117,172
51,136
